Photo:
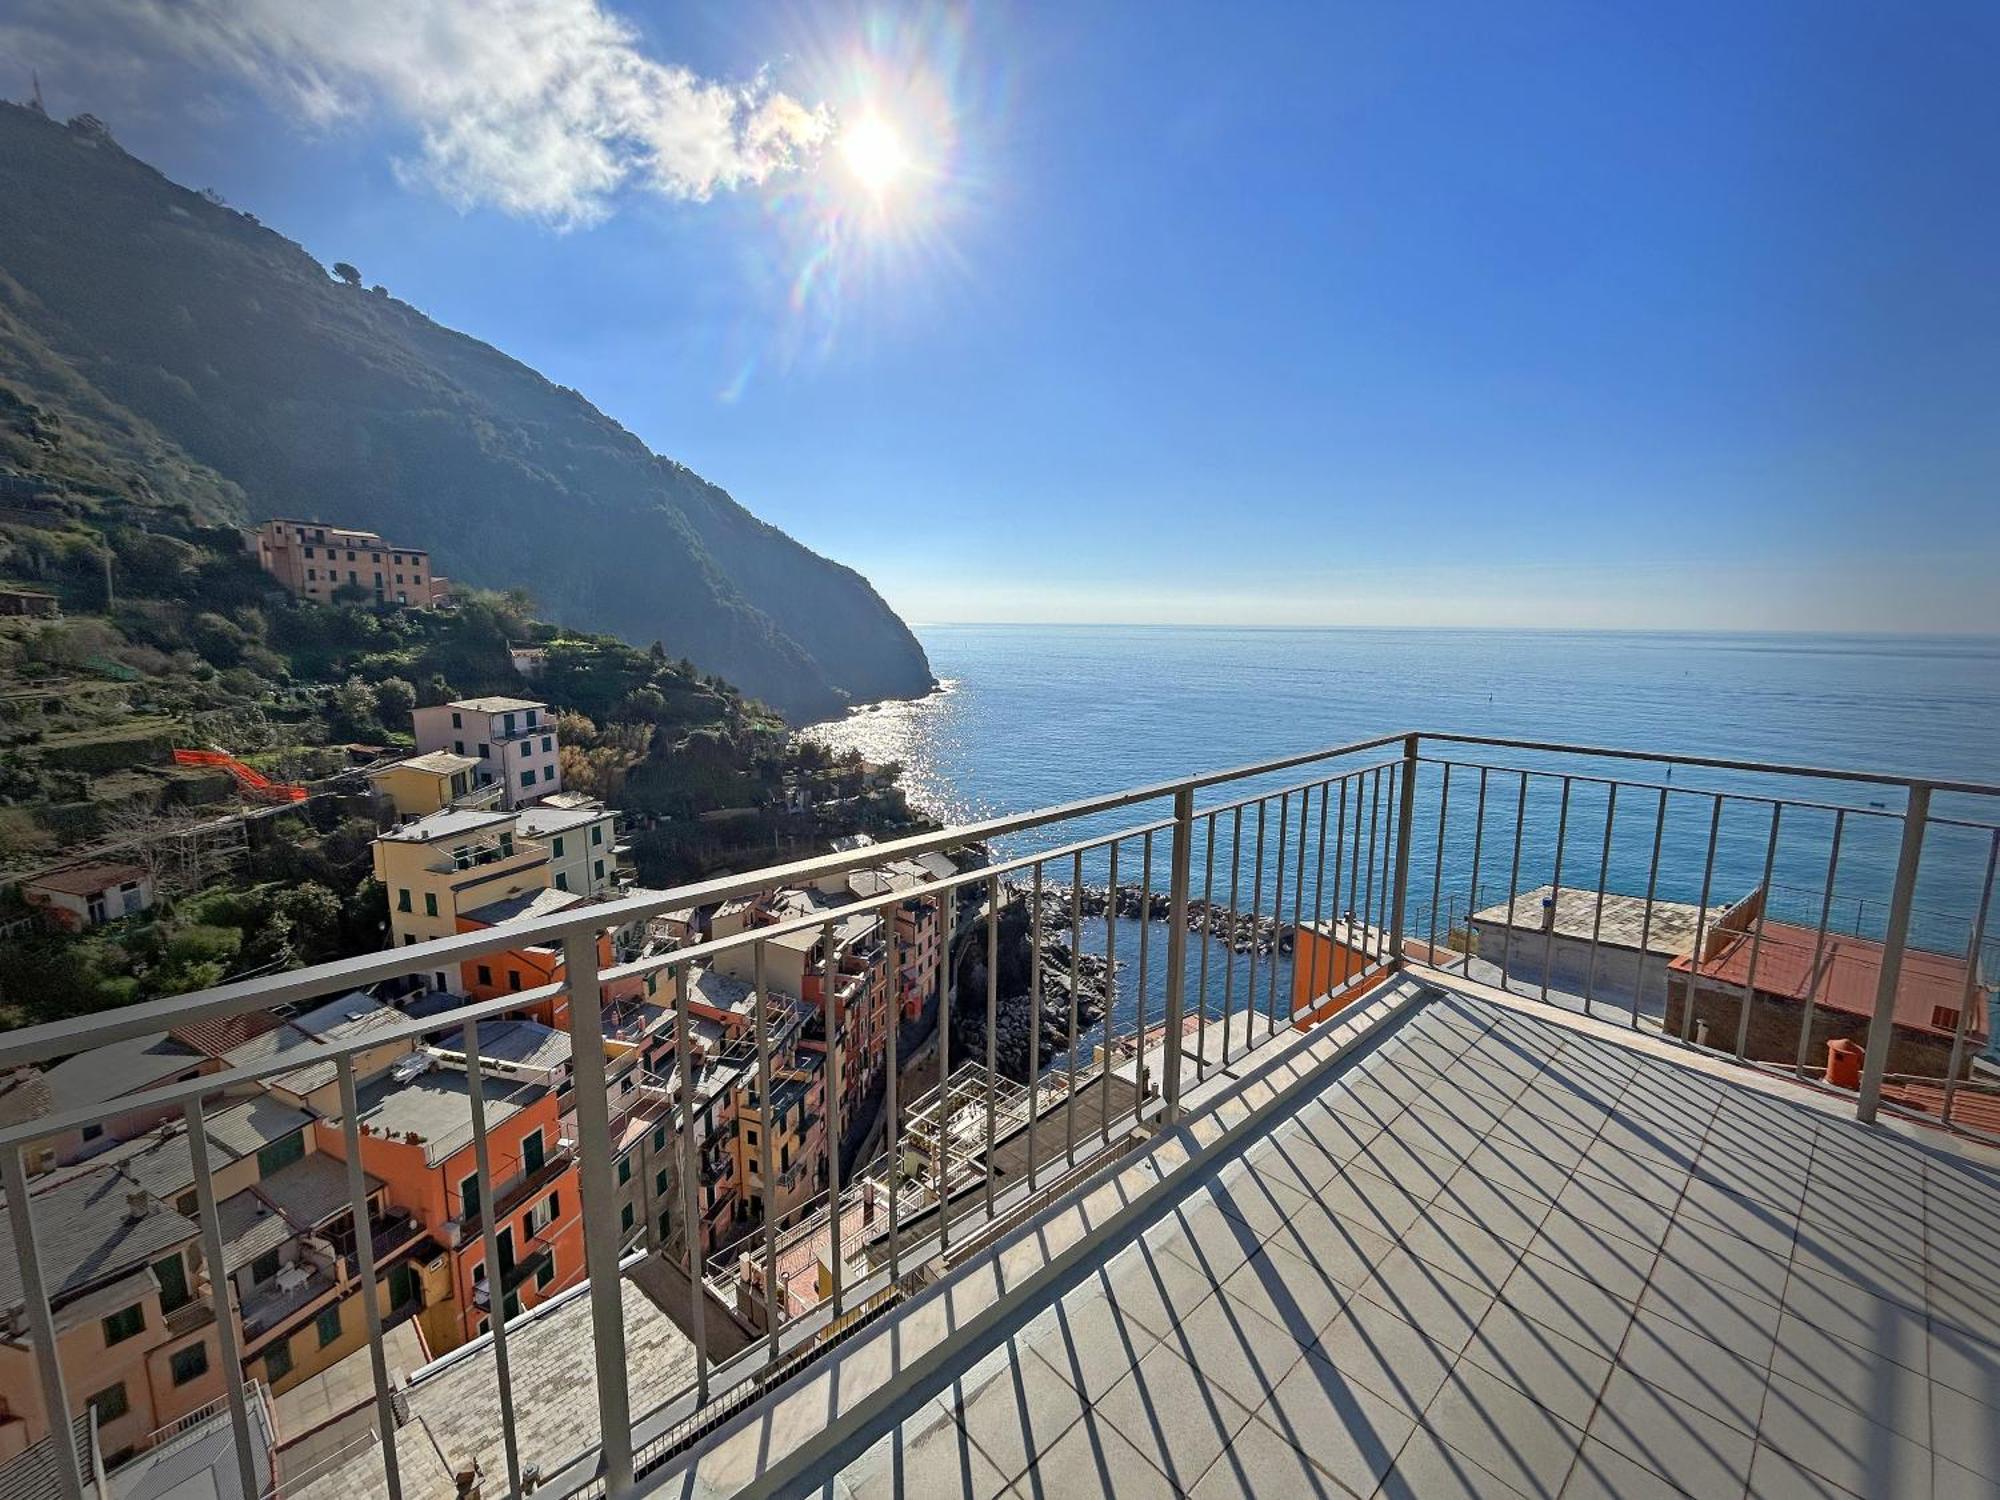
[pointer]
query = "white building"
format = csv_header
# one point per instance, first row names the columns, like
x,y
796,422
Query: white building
x,y
581,834
513,739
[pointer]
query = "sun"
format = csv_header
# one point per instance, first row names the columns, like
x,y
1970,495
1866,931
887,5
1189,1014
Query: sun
x,y
874,153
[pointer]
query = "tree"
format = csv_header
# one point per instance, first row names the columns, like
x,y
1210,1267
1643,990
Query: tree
x,y
347,273
395,697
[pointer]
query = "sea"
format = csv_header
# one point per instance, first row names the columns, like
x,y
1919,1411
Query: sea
x,y
1033,716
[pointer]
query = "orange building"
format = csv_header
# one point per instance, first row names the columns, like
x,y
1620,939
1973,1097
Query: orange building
x,y
416,1137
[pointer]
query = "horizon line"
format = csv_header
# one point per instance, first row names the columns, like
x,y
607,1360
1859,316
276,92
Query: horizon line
x,y
1656,630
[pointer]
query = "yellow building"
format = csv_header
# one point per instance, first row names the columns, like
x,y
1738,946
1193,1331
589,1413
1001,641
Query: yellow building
x,y
449,863
425,784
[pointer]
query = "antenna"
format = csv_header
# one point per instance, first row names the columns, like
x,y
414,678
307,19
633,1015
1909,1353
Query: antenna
x,y
40,108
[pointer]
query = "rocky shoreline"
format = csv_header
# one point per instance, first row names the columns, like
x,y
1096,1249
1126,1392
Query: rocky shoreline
x,y
1094,973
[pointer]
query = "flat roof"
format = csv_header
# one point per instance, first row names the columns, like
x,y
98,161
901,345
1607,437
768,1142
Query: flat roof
x,y
527,1044
437,1106
1671,930
436,763
543,819
499,703
450,823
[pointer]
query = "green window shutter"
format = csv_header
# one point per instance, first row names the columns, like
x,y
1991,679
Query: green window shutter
x,y
278,1155
328,1325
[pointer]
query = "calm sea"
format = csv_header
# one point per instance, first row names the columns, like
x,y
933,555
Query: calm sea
x,y
1035,715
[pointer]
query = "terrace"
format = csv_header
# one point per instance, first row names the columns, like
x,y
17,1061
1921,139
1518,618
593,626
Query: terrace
x,y
1426,1228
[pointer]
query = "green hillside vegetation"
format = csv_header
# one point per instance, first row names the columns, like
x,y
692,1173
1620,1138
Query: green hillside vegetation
x,y
163,351
199,647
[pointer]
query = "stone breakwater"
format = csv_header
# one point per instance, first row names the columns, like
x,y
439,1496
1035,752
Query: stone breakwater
x,y
1015,1011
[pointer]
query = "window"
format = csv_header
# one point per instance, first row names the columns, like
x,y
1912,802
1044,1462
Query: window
x,y
468,1196
484,752
327,1324
546,1271
402,899
666,1222
749,1137
659,1137
625,1217
528,777
111,1403
311,573
548,773
265,1266
430,903
510,1309
1944,1017
548,744
531,721
597,833
562,884
531,1150
378,580
513,979
124,1323
281,1154
309,552
599,867
542,1214
485,974
172,1273
92,1132
557,845
188,1364
458,747
374,557
660,1180
456,721
624,1170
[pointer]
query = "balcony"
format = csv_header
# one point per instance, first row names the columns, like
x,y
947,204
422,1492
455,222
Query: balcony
x,y
483,852
1388,1174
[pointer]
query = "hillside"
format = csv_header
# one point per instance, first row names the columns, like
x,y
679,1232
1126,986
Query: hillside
x,y
176,352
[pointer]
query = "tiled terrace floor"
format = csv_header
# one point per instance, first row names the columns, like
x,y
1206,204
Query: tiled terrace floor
x,y
1501,1255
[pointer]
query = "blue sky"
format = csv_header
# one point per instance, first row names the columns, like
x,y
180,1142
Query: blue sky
x,y
1455,313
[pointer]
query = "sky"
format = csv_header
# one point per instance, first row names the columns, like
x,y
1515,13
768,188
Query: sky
x,y
1564,315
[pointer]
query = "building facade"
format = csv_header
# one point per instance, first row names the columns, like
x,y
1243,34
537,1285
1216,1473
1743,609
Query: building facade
x,y
315,560
513,740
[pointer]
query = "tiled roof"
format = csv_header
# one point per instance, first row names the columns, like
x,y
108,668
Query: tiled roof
x,y
118,1068
88,880
311,1190
524,907
250,1228
86,1235
254,1124
1669,928
1928,995
498,704
220,1035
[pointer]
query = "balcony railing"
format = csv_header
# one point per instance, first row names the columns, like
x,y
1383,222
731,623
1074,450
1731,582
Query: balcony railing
x,y
1304,881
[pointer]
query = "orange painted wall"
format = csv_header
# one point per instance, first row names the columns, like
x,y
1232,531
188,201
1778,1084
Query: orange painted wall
x,y
1320,965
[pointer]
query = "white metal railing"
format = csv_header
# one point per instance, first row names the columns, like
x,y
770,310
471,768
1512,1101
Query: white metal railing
x,y
1329,866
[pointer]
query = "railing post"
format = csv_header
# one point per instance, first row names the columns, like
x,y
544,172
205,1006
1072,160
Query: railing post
x,y
1406,809
1916,816
42,1324
1183,855
600,1222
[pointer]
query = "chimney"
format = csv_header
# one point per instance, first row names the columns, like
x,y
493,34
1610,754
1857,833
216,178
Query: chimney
x,y
1549,910
137,1205
868,1200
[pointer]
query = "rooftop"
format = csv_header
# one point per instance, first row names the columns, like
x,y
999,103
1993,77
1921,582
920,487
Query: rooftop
x,y
437,1107
497,704
118,1068
311,1190
450,824
1932,985
87,1234
88,880
1669,929
544,820
436,763
523,907
1459,1245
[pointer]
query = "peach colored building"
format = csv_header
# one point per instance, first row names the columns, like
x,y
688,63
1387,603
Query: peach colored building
x,y
135,1330
313,560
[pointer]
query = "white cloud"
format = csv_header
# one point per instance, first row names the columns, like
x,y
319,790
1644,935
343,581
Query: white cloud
x,y
542,108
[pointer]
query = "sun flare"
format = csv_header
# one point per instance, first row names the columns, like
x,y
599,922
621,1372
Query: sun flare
x,y
874,153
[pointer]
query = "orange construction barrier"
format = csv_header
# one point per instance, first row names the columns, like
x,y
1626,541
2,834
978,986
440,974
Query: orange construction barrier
x,y
252,780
